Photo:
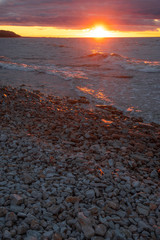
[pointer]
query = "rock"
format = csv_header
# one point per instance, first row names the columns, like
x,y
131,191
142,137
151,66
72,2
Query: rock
x,y
90,194
153,206
27,178
17,199
34,224
55,209
154,174
143,226
11,216
133,228
86,225
22,229
31,238
36,194
136,184
112,205
33,235
16,208
3,211
100,230
22,215
72,199
111,162
7,235
142,210
48,234
57,236
97,238
3,138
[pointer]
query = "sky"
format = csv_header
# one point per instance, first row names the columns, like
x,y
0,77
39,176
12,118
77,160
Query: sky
x,y
79,17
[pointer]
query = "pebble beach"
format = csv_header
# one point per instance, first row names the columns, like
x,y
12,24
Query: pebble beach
x,y
71,173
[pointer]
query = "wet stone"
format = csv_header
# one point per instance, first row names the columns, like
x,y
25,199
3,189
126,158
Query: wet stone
x,y
86,225
28,178
17,199
11,216
3,211
90,193
100,230
57,236
154,174
143,210
22,229
7,235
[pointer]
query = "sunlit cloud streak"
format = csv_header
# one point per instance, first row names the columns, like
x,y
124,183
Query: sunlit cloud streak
x,y
122,15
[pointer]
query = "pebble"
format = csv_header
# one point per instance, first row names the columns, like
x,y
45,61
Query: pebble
x,y
3,211
86,225
66,174
16,199
100,230
90,193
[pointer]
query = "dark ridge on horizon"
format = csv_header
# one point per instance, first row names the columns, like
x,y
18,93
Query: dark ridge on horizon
x,y
8,34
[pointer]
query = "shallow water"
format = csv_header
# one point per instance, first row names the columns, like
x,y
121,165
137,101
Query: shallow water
x,y
124,72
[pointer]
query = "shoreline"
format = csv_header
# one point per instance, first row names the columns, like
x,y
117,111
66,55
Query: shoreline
x,y
71,173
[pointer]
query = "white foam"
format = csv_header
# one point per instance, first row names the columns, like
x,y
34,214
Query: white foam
x,y
133,64
65,73
143,66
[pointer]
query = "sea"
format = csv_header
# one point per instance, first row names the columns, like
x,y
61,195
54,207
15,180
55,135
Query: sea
x,y
123,72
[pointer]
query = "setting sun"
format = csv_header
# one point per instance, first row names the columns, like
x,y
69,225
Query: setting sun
x,y
99,32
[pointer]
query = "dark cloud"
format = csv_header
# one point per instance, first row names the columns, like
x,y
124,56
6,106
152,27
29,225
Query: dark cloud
x,y
116,14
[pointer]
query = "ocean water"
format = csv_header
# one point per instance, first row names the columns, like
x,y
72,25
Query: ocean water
x,y
124,72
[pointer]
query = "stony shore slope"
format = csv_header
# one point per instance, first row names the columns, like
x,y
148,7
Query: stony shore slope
x,y
70,173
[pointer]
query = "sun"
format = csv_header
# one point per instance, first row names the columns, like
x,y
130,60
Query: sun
x,y
98,32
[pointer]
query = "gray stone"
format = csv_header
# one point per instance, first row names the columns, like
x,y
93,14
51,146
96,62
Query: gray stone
x,y
86,225
31,238
33,234
34,224
97,238
100,230
17,199
22,229
135,184
90,193
143,210
112,204
48,234
145,234
144,226
3,211
16,209
3,138
111,162
22,215
133,228
28,178
7,235
11,216
57,236
55,209
154,174
36,194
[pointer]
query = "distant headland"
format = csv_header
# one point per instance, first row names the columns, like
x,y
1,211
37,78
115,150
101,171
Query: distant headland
x,y
8,34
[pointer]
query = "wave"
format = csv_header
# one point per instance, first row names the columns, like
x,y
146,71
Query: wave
x,y
59,45
134,64
66,73
143,66
126,62
97,54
